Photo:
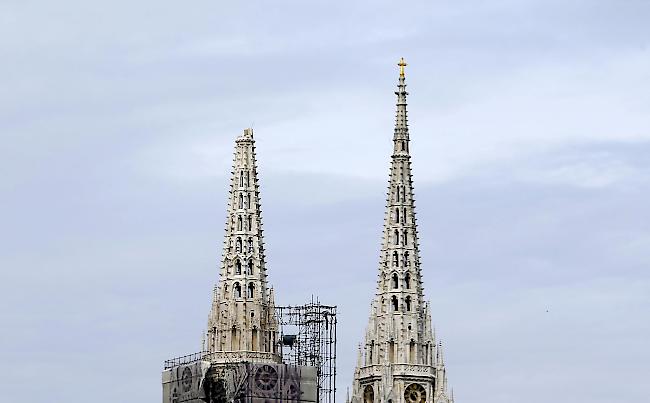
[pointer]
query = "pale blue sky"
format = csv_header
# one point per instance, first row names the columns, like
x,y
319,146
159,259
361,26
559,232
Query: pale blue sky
x,y
530,139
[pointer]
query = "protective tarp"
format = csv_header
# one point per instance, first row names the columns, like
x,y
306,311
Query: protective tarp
x,y
185,383
240,383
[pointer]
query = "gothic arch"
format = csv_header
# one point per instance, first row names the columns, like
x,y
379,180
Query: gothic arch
x,y
394,303
368,394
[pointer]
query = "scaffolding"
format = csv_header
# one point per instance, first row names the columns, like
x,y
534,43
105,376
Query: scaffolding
x,y
308,338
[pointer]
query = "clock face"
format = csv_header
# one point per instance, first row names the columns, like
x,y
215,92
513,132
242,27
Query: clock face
x,y
266,377
186,379
415,393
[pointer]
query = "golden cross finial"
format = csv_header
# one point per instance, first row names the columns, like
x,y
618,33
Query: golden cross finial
x,y
401,64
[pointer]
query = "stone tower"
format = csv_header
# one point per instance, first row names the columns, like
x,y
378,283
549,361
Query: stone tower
x,y
242,325
399,360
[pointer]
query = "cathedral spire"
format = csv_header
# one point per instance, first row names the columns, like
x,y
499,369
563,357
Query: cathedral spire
x,y
400,362
399,262
242,318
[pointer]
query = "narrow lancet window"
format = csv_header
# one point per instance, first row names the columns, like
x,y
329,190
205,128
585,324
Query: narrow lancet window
x,y
250,267
237,290
251,290
407,281
407,301
394,303
395,281
238,267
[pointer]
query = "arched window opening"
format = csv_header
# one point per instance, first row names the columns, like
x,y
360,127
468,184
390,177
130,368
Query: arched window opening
x,y
396,237
397,198
402,145
368,394
248,200
404,216
394,303
238,245
250,222
403,194
395,281
405,237
238,267
395,259
251,290
241,200
407,281
239,223
241,179
250,245
408,304
237,290
247,178
250,267
234,339
406,259
225,289
396,215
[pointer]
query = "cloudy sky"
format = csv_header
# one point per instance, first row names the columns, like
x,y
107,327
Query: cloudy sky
x,y
530,139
